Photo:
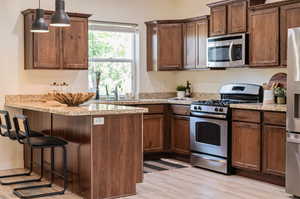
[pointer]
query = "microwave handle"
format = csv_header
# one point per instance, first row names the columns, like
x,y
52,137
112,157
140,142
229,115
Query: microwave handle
x,y
230,51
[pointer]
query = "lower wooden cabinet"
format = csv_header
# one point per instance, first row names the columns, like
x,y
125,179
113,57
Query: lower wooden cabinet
x,y
180,133
246,145
153,133
274,150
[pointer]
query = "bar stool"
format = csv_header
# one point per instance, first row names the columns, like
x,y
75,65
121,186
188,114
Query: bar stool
x,y
5,131
22,129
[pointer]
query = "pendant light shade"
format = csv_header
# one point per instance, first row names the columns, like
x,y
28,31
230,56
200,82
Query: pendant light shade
x,y
39,25
60,17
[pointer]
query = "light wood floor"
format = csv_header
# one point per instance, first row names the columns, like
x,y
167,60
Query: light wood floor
x,y
192,183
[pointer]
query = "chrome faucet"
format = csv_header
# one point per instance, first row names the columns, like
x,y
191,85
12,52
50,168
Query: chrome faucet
x,y
116,93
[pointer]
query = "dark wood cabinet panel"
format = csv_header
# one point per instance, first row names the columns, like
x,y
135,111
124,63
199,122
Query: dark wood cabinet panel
x,y
246,145
75,44
180,133
246,115
275,118
170,43
202,35
274,150
237,17
153,133
46,48
289,18
190,45
218,22
153,109
65,48
264,37
181,109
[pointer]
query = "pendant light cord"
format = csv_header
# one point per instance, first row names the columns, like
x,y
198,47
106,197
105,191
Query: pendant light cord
x,y
39,4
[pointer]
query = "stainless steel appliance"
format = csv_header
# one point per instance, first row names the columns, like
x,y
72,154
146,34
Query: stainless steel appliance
x,y
293,114
227,51
210,122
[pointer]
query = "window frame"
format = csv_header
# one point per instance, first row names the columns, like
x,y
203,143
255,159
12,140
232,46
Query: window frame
x,y
119,27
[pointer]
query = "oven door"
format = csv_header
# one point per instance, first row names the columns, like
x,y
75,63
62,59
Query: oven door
x,y
209,136
226,51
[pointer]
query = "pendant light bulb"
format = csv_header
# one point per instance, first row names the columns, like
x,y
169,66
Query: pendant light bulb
x,y
39,25
60,17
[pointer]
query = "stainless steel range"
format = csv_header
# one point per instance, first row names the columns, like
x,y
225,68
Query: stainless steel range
x,y
210,126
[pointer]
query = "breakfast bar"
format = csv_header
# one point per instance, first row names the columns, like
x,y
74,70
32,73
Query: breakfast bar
x,y
104,145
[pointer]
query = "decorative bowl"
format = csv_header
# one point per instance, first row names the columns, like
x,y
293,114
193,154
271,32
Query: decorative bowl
x,y
71,99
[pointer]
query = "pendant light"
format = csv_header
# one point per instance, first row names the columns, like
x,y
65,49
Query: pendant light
x,y
60,17
39,25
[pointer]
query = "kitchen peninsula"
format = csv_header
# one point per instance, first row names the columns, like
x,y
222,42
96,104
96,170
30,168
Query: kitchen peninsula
x,y
104,144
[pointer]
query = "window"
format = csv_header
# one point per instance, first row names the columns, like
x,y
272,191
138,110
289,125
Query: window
x,y
112,52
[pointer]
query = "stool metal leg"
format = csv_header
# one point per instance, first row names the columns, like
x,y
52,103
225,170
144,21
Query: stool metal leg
x,y
65,177
22,174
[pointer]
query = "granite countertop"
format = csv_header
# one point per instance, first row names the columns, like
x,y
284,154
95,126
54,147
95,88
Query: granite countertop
x,y
88,109
147,101
259,106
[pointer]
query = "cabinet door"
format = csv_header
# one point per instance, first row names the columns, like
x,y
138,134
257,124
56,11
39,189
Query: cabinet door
x,y
237,17
153,133
190,49
246,145
202,35
75,44
218,22
170,45
289,18
274,150
264,37
180,132
47,48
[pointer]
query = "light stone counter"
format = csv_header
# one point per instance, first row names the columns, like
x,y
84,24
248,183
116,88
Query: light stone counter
x,y
261,107
89,109
148,101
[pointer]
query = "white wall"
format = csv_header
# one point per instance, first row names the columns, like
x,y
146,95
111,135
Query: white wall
x,y
210,81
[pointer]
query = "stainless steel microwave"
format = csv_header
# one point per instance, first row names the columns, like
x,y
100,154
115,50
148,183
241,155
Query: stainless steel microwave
x,y
227,51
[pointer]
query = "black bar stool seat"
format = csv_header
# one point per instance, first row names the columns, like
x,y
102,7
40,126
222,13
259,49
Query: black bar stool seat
x,y
45,142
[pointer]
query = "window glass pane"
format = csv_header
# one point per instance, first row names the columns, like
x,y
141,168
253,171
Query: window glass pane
x,y
112,74
105,44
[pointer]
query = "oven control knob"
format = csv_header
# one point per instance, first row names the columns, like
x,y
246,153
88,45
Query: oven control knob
x,y
216,109
199,108
221,109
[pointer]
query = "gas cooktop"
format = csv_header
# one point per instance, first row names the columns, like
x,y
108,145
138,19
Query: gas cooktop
x,y
223,102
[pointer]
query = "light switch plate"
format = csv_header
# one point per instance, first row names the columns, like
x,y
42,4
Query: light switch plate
x,y
98,121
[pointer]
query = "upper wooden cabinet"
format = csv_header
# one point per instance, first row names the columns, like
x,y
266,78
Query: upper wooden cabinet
x,y
237,17
264,37
164,46
61,48
289,18
218,22
195,42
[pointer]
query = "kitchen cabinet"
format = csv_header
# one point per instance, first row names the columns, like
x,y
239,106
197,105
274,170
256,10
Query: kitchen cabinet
x,y
153,133
246,145
180,133
61,48
274,143
164,46
289,18
195,42
218,22
258,144
237,17
264,37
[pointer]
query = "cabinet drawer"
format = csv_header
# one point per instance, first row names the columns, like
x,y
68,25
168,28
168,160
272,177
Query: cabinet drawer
x,y
180,109
275,118
153,109
246,116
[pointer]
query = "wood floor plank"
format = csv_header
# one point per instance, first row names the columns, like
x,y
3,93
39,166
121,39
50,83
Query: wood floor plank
x,y
191,183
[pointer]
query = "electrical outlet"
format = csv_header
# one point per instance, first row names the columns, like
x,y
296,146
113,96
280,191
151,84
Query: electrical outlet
x,y
98,121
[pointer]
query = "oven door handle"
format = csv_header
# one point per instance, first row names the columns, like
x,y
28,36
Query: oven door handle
x,y
230,51
208,115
